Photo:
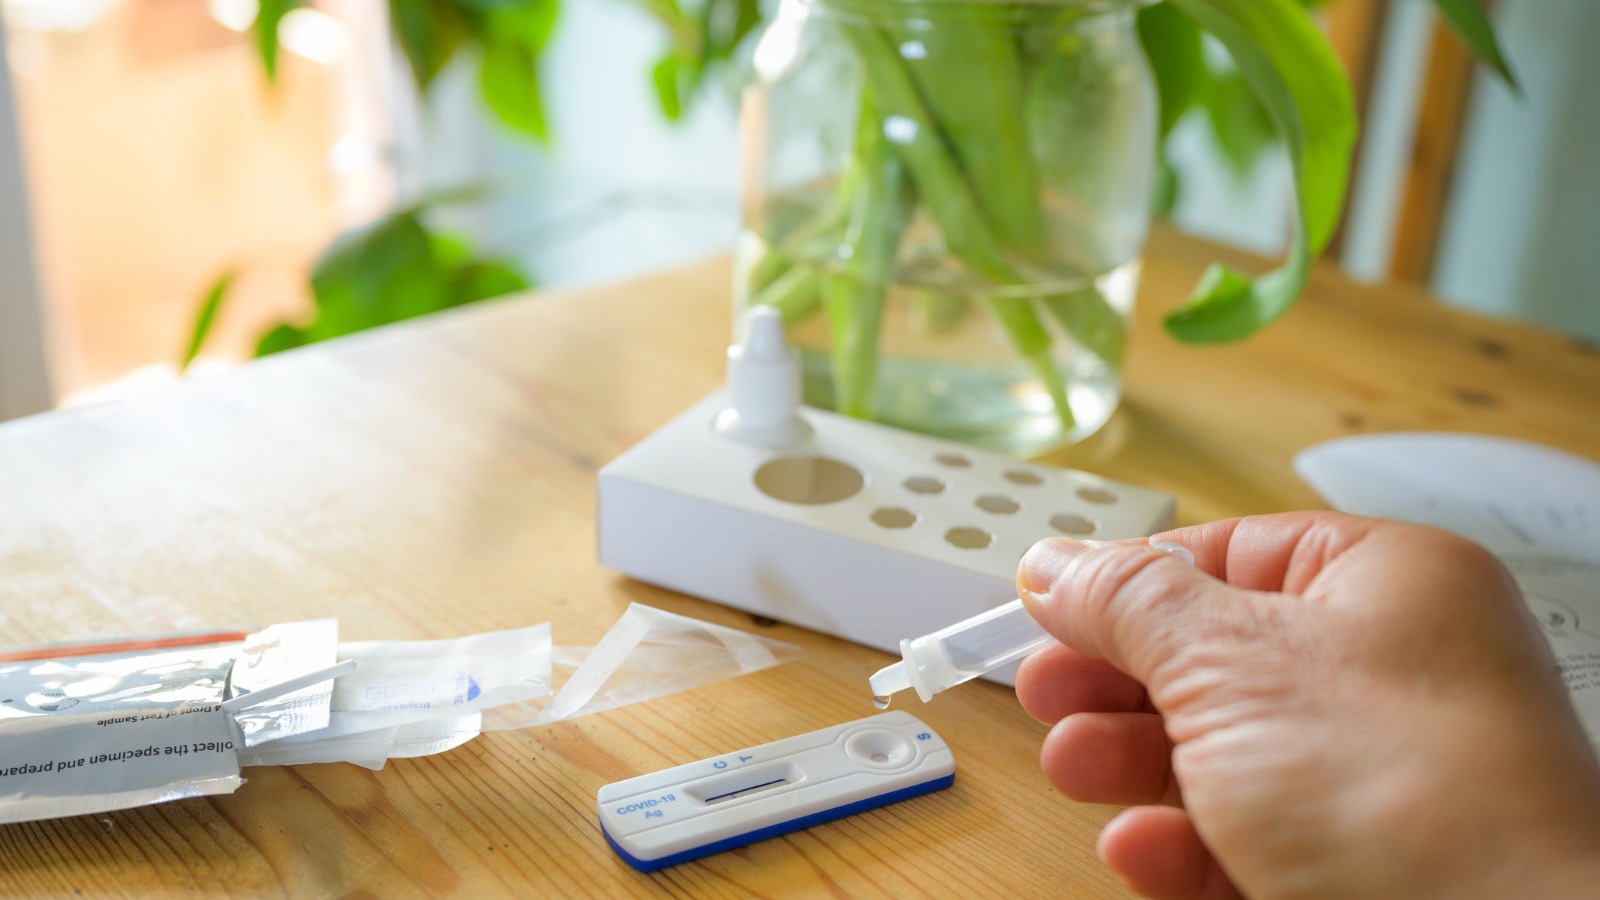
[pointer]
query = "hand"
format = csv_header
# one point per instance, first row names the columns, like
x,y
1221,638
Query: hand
x,y
1323,705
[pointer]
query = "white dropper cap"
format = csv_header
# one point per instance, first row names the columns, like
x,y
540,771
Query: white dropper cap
x,y
763,385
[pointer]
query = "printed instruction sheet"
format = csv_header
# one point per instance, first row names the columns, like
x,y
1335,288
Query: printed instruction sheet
x,y
1535,507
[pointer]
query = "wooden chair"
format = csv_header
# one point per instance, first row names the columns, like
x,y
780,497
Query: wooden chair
x,y
1356,29
24,377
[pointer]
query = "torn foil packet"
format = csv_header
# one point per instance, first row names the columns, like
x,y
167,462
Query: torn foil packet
x,y
109,724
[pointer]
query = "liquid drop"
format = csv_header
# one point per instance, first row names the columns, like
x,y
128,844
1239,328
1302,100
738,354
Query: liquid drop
x,y
880,702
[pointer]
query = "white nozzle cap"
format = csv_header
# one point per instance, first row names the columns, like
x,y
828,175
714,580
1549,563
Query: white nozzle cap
x,y
763,385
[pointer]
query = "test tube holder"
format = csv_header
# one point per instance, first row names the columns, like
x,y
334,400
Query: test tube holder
x,y
859,530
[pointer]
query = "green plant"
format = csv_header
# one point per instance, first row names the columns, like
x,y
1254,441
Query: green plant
x,y
1285,85
389,270
398,266
970,163
1284,77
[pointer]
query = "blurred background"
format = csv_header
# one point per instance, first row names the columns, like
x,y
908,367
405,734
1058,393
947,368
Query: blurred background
x,y
144,156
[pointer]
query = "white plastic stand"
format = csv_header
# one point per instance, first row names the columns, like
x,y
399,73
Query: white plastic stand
x,y
851,528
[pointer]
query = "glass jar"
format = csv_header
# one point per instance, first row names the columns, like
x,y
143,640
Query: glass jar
x,y
947,200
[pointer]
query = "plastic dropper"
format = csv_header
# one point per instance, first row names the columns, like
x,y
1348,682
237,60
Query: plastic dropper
x,y
972,647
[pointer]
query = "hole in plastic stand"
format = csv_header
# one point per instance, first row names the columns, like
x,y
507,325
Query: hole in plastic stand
x,y
894,517
1097,495
953,460
923,484
1023,477
808,480
968,538
998,504
1071,523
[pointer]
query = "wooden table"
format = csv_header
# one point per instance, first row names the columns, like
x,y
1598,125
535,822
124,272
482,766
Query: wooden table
x,y
437,479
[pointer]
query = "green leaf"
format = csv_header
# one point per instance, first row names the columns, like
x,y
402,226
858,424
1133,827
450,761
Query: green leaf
x,y
450,250
700,40
1470,22
513,41
483,279
724,24
1168,186
282,337
664,77
206,315
1176,50
1294,71
268,15
389,270
1240,124
381,273
429,32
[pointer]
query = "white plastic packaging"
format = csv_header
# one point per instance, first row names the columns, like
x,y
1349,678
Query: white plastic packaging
x,y
272,656
412,698
96,727
415,698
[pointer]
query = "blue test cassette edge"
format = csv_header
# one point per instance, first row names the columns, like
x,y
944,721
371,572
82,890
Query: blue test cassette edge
x,y
716,804
772,831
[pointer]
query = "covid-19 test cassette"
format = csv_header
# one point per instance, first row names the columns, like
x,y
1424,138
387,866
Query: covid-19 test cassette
x,y
737,798
848,527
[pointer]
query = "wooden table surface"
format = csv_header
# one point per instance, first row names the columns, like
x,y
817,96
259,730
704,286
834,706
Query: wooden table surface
x,y
437,479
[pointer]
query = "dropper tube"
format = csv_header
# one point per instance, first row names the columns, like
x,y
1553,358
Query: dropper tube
x,y
969,648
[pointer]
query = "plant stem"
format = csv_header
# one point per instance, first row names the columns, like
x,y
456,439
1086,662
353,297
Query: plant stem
x,y
1092,322
796,293
970,76
854,296
937,174
938,312
818,235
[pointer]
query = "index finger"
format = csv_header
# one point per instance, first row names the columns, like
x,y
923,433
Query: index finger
x,y
1276,552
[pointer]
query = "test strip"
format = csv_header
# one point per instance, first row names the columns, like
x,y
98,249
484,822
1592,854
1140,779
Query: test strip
x,y
289,686
689,811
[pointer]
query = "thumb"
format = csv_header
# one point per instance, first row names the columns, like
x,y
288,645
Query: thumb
x,y
1133,606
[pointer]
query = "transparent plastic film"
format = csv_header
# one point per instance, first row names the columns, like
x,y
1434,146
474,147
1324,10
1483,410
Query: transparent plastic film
x,y
109,724
651,653
410,698
371,749
414,698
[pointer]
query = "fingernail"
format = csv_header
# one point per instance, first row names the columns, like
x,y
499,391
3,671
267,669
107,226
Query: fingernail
x,y
1043,564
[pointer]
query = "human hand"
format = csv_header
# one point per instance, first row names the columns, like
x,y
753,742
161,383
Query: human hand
x,y
1323,705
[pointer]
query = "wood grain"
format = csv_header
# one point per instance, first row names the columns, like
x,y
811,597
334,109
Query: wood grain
x,y
436,479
